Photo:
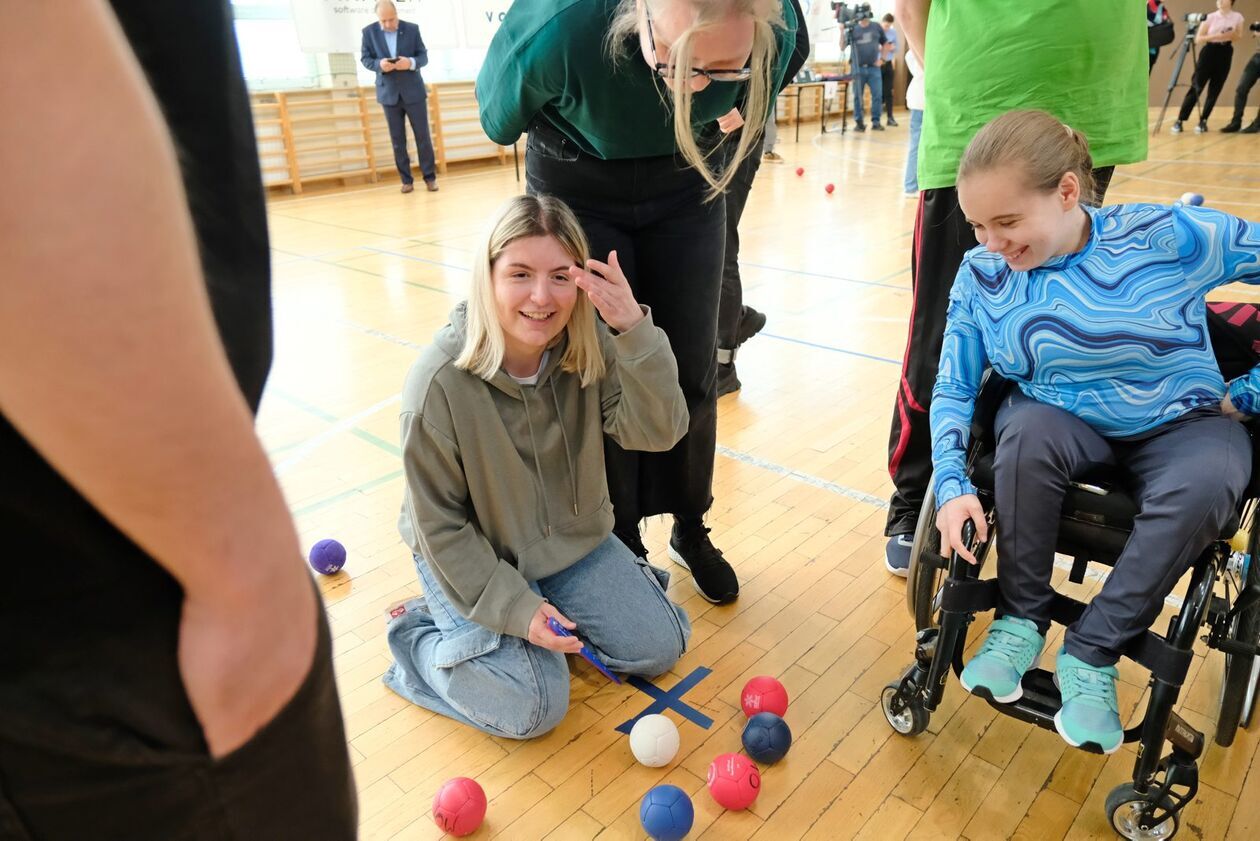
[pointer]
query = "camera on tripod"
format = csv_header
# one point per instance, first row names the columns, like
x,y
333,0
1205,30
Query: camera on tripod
x,y
848,16
1255,26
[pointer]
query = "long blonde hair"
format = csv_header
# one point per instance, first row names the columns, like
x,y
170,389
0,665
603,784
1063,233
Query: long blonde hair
x,y
766,14
519,218
1038,145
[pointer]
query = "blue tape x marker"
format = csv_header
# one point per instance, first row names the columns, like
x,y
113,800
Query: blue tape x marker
x,y
671,699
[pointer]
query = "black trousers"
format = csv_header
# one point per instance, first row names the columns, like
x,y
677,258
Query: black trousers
x,y
941,238
1210,72
1187,477
97,738
1250,73
418,114
670,242
887,70
732,303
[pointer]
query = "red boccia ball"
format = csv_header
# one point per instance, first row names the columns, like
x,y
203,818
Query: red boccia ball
x,y
800,170
764,694
734,781
830,188
459,806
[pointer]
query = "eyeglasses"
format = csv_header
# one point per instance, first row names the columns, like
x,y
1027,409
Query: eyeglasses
x,y
666,71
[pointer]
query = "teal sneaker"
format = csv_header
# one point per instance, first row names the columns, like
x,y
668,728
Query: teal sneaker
x,y
1011,649
1090,711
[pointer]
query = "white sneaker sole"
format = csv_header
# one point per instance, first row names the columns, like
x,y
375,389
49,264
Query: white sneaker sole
x,y
897,571
1058,726
1019,687
678,559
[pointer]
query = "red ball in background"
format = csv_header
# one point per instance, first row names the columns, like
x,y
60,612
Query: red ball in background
x,y
459,806
800,170
734,781
764,694
830,188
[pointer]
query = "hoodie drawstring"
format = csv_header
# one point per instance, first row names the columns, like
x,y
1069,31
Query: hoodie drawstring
x,y
533,443
568,457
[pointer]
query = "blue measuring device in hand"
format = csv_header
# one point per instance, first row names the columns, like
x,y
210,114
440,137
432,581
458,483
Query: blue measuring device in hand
x,y
560,630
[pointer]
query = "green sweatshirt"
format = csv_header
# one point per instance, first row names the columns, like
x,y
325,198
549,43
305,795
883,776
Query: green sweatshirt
x,y
1084,61
505,483
548,58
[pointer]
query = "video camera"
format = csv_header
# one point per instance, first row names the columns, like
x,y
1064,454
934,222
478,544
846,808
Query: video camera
x,y
1255,26
848,16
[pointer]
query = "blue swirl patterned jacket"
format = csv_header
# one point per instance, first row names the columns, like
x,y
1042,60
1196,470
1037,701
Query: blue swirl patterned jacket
x,y
1116,333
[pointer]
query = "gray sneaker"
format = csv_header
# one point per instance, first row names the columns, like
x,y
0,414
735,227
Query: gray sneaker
x,y
897,554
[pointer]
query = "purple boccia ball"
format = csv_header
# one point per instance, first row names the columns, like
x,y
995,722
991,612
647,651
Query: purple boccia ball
x,y
328,557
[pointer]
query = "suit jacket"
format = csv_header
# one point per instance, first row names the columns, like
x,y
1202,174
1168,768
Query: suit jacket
x,y
405,85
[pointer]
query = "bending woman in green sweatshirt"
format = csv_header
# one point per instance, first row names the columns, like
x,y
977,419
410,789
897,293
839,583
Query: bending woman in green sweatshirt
x,y
506,508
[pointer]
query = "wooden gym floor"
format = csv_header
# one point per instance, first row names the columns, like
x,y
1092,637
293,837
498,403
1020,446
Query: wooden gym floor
x,y
364,277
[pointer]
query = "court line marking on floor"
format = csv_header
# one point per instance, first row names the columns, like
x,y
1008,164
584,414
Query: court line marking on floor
x,y
347,494
348,424
802,477
831,348
1137,177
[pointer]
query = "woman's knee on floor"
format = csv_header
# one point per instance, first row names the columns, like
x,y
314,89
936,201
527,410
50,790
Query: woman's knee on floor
x,y
520,691
656,639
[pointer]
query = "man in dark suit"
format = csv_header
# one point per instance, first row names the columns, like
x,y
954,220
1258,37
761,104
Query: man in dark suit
x,y
393,49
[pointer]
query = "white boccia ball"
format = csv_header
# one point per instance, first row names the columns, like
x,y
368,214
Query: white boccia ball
x,y
1192,199
654,740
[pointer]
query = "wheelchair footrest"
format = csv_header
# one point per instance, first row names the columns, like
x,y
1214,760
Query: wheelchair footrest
x,y
1039,704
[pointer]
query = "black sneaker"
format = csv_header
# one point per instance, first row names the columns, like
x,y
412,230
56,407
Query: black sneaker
x,y
750,323
859,127
893,122
727,382
1201,127
711,575
877,127
1231,127
1254,128
633,542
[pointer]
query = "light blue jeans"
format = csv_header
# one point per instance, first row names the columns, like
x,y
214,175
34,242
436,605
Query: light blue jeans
x,y
912,160
512,688
873,78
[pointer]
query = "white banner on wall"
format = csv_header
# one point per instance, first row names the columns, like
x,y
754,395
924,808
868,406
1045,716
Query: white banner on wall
x,y
481,21
336,26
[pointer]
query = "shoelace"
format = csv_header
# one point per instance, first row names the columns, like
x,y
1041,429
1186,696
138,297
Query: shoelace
x,y
1091,686
1008,646
706,553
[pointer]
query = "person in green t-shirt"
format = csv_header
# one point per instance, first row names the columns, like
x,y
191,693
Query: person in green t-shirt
x,y
1080,60
631,108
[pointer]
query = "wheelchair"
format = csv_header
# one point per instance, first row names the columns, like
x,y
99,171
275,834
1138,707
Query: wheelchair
x,y
1222,603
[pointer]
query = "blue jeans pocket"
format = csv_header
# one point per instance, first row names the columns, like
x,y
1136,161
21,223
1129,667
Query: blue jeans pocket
x,y
465,644
661,576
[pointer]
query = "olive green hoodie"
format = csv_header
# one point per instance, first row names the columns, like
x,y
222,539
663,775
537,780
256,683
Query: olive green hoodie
x,y
505,482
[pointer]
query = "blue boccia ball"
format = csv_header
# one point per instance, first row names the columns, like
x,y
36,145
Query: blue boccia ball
x,y
327,557
1193,199
767,738
666,813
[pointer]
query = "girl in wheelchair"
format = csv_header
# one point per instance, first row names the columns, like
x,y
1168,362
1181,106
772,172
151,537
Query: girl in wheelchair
x,y
1098,318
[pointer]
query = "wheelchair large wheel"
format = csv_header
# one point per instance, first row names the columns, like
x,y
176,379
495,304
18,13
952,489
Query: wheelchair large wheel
x,y
1238,686
1124,812
926,575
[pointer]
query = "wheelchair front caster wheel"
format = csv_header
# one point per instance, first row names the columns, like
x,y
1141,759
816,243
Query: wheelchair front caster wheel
x,y
1125,809
905,715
